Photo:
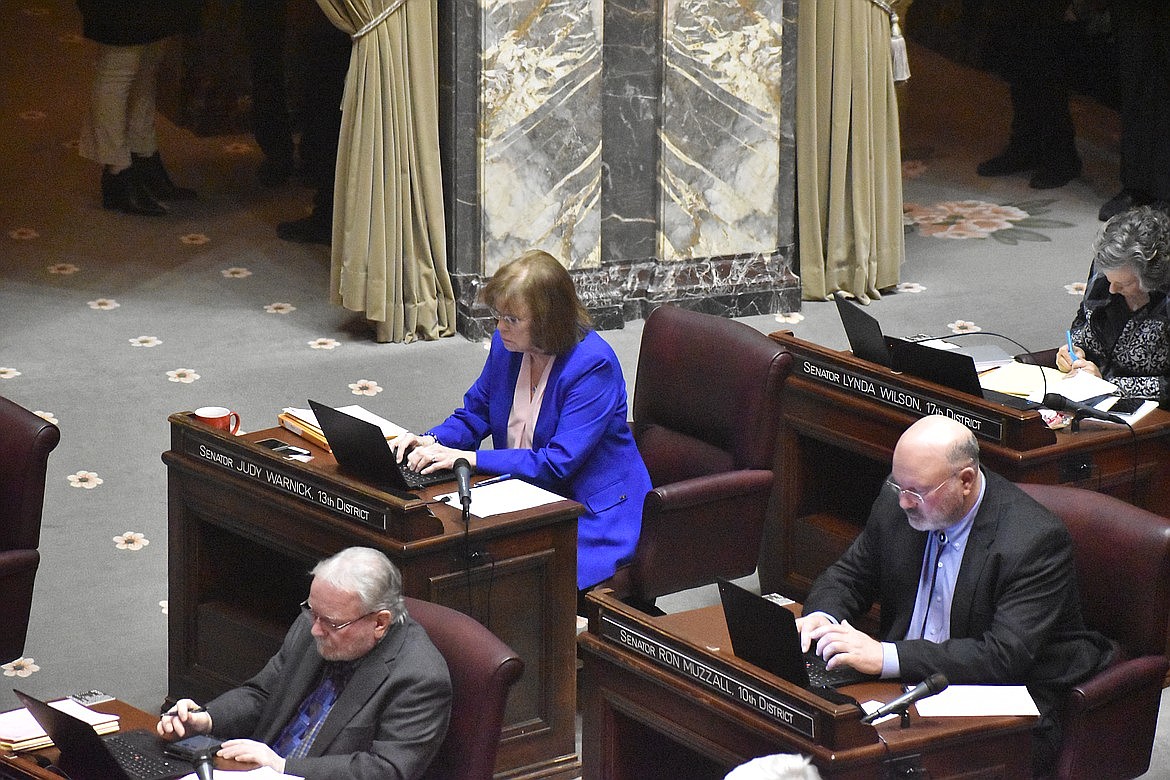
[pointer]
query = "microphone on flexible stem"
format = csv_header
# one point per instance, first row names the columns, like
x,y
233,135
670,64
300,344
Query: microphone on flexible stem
x,y
928,687
462,471
204,763
1058,403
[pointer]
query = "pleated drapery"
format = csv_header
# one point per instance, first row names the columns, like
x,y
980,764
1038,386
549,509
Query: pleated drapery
x,y
848,160
389,255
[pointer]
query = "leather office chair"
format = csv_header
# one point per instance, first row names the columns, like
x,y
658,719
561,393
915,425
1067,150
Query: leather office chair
x,y
483,670
706,410
1123,568
25,443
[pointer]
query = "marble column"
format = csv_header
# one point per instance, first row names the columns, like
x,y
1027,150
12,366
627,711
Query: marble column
x,y
646,143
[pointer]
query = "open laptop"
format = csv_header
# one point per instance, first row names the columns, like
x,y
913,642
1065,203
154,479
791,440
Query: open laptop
x,y
361,449
764,633
866,339
949,368
127,755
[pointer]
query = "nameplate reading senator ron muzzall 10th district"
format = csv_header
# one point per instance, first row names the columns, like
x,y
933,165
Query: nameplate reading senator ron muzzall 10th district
x,y
722,679
240,462
906,400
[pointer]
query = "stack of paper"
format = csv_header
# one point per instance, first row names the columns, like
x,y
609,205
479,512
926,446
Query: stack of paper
x,y
19,730
304,423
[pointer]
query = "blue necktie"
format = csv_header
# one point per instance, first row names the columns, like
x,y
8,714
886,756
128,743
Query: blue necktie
x,y
297,737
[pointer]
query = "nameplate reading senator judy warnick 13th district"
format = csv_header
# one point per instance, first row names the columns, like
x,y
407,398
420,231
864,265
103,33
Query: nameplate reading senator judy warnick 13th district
x,y
239,462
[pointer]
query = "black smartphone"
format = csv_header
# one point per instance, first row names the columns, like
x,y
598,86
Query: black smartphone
x,y
1126,405
190,747
284,448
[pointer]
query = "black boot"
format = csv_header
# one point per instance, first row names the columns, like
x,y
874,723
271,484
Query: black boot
x,y
124,191
157,180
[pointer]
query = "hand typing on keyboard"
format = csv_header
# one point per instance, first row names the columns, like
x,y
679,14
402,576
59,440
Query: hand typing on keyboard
x,y
840,644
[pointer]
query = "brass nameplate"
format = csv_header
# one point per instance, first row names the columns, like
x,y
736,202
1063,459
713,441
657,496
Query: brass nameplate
x,y
722,679
242,463
904,400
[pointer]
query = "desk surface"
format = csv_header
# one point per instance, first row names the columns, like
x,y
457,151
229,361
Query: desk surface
x,y
21,765
674,685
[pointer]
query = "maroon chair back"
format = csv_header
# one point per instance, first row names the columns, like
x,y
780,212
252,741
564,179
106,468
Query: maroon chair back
x,y
25,441
1122,556
703,397
483,670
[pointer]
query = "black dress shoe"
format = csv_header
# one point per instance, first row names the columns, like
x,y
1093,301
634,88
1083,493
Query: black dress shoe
x,y
1010,160
157,180
1049,177
124,191
313,229
1122,201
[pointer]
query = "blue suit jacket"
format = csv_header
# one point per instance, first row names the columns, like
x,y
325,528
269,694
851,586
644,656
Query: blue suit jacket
x,y
582,447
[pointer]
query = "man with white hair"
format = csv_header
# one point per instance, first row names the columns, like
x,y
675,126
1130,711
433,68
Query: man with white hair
x,y
357,690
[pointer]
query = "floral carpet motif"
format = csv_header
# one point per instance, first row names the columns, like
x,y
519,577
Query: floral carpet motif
x,y
1008,223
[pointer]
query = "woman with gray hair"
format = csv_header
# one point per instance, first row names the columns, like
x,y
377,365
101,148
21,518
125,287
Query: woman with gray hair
x,y
1121,331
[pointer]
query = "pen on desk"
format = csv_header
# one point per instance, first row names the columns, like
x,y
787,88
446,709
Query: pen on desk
x,y
174,713
493,480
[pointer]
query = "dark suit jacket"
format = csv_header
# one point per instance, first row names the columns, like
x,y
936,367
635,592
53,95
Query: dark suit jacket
x,y
1016,614
582,447
387,723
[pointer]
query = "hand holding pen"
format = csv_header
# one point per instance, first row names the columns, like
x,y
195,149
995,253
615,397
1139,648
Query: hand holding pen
x,y
183,720
1067,356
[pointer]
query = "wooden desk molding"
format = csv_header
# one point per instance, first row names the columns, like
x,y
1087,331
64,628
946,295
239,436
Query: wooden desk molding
x,y
246,525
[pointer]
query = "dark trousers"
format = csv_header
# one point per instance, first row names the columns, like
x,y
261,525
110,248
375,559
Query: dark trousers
x,y
326,62
1024,46
264,24
1143,43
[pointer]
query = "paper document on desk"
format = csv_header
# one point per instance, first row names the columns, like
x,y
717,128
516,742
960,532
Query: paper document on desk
x,y
263,773
1032,382
1131,418
20,731
511,495
389,430
960,700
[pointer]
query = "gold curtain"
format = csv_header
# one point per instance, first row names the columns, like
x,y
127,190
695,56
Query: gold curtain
x,y
848,160
389,247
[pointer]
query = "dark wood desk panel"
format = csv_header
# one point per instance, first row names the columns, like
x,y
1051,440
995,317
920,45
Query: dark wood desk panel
x,y
246,526
643,720
842,416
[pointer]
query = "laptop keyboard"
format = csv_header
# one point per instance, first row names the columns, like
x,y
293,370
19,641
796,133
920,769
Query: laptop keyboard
x,y
821,677
135,763
415,480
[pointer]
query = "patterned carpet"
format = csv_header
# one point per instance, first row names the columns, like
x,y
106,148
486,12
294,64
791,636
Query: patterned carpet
x,y
109,323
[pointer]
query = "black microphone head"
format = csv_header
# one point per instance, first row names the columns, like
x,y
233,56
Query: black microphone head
x,y
936,682
1056,402
204,763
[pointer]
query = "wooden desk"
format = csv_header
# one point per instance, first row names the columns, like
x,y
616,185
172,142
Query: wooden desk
x,y
246,525
663,697
842,416
22,765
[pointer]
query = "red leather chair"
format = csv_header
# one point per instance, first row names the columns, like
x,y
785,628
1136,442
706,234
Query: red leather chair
x,y
706,409
25,443
483,670
1123,569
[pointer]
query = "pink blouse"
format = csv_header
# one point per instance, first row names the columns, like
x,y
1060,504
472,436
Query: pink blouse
x,y
526,401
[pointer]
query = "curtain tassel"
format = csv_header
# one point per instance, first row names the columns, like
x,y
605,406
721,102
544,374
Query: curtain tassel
x,y
898,51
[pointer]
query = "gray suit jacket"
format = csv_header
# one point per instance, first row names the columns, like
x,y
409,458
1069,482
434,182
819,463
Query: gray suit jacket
x,y
387,723
1015,617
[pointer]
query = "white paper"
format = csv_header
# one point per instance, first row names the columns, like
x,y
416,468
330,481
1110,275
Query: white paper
x,y
967,700
1076,387
262,773
511,495
1143,410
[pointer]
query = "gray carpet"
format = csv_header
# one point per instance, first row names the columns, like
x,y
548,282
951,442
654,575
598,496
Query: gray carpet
x,y
98,310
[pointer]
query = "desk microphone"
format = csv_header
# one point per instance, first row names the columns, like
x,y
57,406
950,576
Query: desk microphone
x,y
928,687
462,471
204,763
1058,403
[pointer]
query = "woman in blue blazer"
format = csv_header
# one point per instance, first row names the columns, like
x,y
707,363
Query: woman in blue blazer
x,y
553,398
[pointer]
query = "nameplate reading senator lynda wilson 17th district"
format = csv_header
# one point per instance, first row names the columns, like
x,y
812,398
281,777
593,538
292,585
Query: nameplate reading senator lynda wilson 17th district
x,y
240,462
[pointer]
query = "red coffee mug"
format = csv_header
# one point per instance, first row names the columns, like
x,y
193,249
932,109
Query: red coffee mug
x,y
219,417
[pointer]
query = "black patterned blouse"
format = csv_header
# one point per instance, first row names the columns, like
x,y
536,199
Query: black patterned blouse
x,y
1132,349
